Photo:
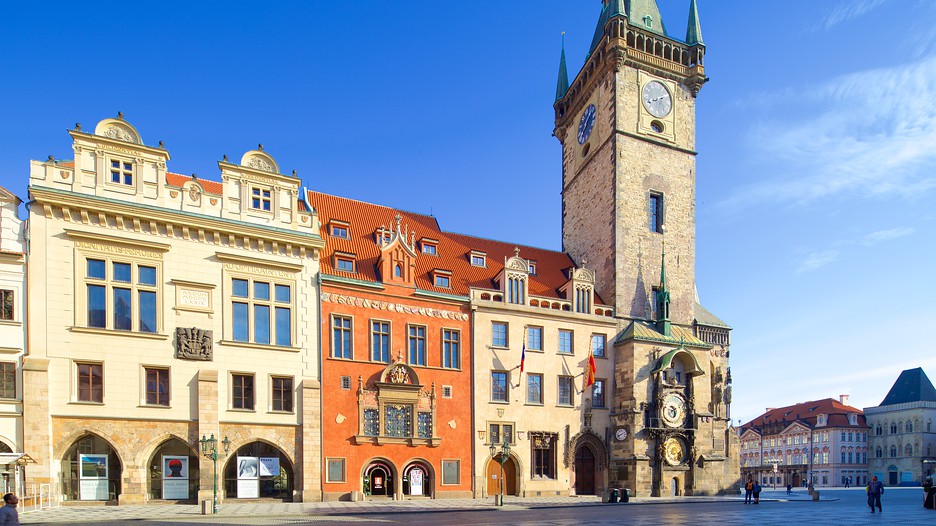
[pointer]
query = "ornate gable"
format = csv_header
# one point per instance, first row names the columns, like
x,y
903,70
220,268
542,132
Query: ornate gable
x,y
397,261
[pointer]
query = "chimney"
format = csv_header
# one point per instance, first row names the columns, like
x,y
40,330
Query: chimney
x,y
843,399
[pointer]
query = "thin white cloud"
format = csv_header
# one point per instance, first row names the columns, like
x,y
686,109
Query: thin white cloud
x,y
817,260
845,11
886,235
858,135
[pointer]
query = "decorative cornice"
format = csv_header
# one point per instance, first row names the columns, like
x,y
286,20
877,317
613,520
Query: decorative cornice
x,y
366,303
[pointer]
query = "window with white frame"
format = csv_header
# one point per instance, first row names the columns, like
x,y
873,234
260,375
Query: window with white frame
x,y
534,339
442,279
429,247
122,295
342,345
261,198
121,172
7,310
337,229
598,345
478,259
7,380
261,311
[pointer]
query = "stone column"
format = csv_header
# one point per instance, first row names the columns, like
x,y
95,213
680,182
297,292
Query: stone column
x,y
311,488
208,425
37,424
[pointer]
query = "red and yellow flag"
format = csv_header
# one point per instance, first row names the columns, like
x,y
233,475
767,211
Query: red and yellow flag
x,y
590,369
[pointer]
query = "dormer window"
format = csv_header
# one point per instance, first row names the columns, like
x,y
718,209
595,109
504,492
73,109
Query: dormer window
x,y
532,268
121,172
429,246
516,290
344,262
338,230
442,279
478,259
261,199
583,299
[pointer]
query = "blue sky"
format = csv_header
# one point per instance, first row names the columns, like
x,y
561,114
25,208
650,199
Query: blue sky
x,y
815,135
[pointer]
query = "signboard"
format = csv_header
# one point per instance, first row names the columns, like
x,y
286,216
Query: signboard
x,y
175,472
269,467
248,477
416,481
92,474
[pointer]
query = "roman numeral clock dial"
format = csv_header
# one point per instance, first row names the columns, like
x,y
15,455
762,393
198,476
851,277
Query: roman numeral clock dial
x,y
586,124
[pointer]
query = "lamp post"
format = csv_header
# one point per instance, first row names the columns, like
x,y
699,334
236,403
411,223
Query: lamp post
x,y
209,449
504,453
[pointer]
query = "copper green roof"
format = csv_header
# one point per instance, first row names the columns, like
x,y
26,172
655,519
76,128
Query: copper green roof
x,y
562,85
645,14
645,331
694,31
666,361
704,317
599,30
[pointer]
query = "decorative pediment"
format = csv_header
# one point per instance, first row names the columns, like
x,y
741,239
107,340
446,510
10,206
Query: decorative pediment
x,y
118,129
398,373
583,274
260,160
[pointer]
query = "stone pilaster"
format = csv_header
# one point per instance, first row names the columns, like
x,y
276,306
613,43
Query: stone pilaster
x,y
207,426
311,462
37,425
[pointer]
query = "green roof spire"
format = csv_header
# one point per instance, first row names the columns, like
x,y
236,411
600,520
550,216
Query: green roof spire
x,y
616,8
562,86
694,31
609,10
663,296
645,14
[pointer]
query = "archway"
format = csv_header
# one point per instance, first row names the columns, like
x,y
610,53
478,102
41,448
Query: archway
x,y
674,487
91,470
584,471
417,480
258,470
494,476
173,472
378,479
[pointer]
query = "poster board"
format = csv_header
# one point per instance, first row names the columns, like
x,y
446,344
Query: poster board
x,y
92,475
269,467
416,481
248,477
175,477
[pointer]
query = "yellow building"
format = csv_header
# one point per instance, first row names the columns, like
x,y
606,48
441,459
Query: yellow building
x,y
165,309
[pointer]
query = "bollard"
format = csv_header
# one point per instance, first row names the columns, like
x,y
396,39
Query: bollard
x,y
206,507
815,495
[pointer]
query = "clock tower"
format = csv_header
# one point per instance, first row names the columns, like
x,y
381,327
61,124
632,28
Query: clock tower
x,y
627,127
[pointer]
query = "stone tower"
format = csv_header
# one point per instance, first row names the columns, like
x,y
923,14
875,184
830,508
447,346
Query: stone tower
x,y
627,127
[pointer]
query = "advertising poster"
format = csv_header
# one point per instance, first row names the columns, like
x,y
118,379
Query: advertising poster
x,y
416,482
248,477
92,474
269,467
175,484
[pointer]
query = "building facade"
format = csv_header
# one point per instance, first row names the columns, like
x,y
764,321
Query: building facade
x,y
166,309
396,333
626,123
902,449
823,441
13,336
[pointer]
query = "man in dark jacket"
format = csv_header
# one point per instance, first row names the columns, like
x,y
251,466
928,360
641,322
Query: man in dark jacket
x,y
875,490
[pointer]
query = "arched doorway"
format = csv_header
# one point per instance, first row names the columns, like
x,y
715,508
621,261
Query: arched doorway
x,y
258,470
584,471
494,476
378,479
173,472
674,487
417,480
796,480
91,470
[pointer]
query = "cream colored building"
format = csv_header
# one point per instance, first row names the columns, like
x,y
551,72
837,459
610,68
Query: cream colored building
x,y
13,338
165,309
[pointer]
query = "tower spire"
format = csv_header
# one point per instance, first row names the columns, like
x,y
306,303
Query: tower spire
x,y
663,296
694,31
562,85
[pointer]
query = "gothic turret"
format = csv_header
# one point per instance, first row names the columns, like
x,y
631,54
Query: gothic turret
x,y
562,85
694,31
663,298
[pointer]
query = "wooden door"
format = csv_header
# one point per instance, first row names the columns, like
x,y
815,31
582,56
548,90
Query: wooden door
x,y
494,477
584,472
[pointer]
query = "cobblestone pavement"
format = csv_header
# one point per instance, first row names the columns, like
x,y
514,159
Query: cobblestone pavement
x,y
901,506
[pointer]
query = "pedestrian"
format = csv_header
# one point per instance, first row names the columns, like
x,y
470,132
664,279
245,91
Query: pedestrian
x,y
875,490
928,494
749,491
8,513
847,482
757,490
789,489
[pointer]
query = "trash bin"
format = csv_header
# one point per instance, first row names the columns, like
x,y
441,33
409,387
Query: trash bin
x,y
625,495
206,507
613,496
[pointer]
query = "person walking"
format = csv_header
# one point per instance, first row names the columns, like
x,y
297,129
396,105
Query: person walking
x,y
875,490
789,489
749,491
928,493
757,490
847,482
8,514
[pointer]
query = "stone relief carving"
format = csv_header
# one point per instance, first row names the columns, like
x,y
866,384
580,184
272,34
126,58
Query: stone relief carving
x,y
194,194
194,344
259,163
388,306
116,133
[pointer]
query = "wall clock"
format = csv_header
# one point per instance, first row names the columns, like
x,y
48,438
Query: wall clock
x,y
656,98
586,124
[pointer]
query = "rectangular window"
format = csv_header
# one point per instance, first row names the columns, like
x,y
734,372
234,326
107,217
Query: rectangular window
x,y
398,420
344,263
478,260
90,382
499,334
157,386
598,345
341,338
500,433
380,341
451,475
451,349
336,470
282,394
6,305
121,172
598,393
339,230
535,389
565,342
429,248
543,447
565,390
499,386
242,391
532,267
534,338
656,212
7,380
261,312
442,281
128,293
371,422
345,383
417,344
261,199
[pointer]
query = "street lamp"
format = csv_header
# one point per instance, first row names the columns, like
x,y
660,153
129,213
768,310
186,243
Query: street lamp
x,y
504,453
209,449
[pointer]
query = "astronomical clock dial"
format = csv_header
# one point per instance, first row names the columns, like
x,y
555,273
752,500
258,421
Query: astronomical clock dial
x,y
674,452
674,410
586,124
656,99
620,434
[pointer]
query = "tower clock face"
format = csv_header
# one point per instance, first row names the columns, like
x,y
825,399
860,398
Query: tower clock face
x,y
586,124
674,410
656,99
674,452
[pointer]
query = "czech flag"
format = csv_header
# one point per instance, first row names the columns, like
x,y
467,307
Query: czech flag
x,y
522,357
590,369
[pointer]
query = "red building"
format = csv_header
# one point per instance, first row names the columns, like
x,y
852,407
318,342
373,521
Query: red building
x,y
396,352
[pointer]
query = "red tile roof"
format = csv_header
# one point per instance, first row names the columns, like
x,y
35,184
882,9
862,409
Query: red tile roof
x,y
211,187
808,412
453,250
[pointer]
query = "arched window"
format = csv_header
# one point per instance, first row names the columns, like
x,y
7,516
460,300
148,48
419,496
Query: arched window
x,y
908,450
909,428
893,451
398,271
878,430
515,291
893,428
879,453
